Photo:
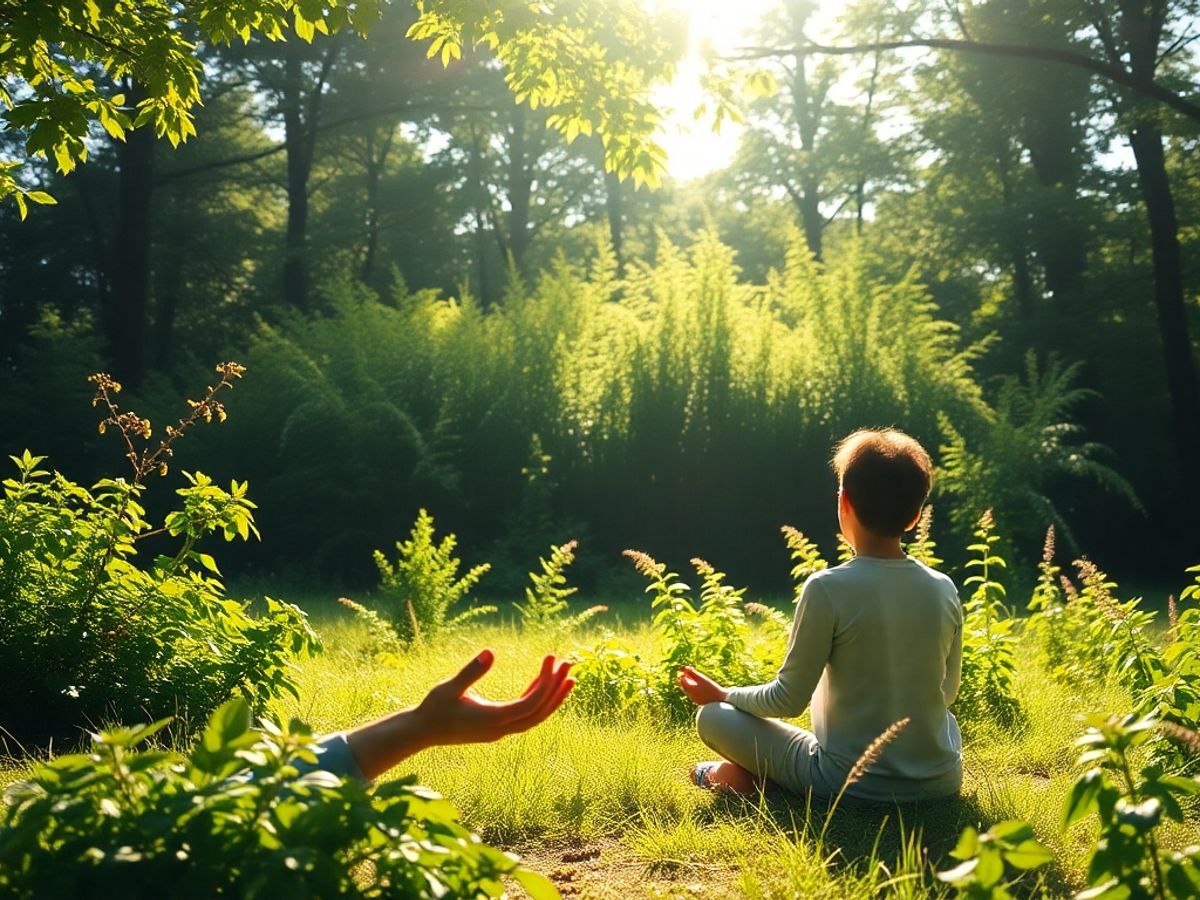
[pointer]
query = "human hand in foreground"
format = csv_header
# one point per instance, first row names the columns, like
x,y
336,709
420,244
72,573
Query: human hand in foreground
x,y
700,689
449,714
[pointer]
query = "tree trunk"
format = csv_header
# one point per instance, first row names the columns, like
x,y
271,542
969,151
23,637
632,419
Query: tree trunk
x,y
299,167
375,168
166,305
614,205
1146,141
520,188
1059,234
127,303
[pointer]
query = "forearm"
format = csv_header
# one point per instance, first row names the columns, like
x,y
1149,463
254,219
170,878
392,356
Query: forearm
x,y
775,699
384,743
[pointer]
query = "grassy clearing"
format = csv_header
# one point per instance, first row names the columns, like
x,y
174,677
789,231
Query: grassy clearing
x,y
605,808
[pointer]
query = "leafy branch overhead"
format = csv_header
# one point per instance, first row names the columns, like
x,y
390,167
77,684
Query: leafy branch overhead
x,y
71,69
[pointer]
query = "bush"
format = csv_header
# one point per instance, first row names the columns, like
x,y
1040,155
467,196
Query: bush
x,y
713,636
987,691
88,633
119,823
423,584
546,600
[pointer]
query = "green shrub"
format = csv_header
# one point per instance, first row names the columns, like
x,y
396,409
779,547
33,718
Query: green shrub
x,y
611,680
980,875
423,584
1127,859
91,633
987,691
1031,441
120,823
546,600
713,636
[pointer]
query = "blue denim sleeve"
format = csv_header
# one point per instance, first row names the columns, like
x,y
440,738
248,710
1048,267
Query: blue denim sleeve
x,y
333,755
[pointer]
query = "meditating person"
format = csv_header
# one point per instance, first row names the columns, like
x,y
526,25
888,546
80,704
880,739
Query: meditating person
x,y
875,641
449,714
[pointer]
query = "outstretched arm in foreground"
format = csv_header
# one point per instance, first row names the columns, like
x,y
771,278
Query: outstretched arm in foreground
x,y
450,714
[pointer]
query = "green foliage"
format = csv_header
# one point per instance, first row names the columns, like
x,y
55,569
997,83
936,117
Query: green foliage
x,y
923,547
638,390
712,635
546,601
987,691
235,818
590,61
59,96
980,875
1030,442
1057,626
383,643
423,584
1127,859
611,680
90,633
806,557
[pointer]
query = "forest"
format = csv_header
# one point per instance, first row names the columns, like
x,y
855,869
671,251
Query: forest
x,y
496,292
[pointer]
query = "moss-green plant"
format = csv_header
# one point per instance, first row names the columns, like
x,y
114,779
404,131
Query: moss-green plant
x,y
423,585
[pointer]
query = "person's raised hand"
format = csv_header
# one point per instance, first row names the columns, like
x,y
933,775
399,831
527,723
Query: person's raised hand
x,y
450,714
453,715
700,689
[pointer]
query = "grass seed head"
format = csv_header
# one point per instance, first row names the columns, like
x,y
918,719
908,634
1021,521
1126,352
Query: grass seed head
x,y
874,750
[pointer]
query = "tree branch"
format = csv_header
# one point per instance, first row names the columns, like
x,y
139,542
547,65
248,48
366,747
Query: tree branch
x,y
1114,73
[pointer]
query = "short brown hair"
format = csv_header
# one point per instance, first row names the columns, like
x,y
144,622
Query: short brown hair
x,y
886,475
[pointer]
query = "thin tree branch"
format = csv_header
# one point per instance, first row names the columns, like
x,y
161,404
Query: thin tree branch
x,y
1114,73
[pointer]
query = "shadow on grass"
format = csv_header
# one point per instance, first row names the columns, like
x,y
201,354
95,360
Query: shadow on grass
x,y
859,833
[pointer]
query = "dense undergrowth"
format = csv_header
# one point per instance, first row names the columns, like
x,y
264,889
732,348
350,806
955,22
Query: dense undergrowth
x,y
611,409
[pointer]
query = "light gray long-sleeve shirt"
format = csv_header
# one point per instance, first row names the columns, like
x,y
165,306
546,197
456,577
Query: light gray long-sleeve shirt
x,y
873,641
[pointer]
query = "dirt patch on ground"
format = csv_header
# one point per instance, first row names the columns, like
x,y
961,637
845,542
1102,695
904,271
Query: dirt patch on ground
x,y
602,870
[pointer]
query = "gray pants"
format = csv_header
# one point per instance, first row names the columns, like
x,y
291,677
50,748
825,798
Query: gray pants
x,y
792,758
769,748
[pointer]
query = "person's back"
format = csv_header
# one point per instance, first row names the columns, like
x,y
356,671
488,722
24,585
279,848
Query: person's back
x,y
876,648
897,627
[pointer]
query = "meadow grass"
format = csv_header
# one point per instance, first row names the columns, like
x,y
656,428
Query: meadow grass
x,y
605,806
620,786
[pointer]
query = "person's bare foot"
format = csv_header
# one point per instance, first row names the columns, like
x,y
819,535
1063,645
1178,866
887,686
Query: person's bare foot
x,y
724,777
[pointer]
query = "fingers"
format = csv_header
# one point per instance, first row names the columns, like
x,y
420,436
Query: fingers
x,y
471,673
539,714
545,690
546,671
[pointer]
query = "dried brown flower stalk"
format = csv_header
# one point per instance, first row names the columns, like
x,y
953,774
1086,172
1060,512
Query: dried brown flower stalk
x,y
1068,588
1181,735
874,750
645,563
1048,546
132,426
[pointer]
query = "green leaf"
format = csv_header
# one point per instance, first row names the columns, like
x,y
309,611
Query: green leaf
x,y
536,885
1082,799
1028,855
230,721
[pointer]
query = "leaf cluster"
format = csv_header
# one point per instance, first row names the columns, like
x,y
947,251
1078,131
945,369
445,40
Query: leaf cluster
x,y
91,632
423,584
247,813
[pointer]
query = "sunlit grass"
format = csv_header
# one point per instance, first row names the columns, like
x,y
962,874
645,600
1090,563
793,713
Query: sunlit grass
x,y
622,785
